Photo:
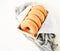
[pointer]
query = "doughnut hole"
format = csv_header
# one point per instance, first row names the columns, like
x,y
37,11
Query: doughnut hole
x,y
27,29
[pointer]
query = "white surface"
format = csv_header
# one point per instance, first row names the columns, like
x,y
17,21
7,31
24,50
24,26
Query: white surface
x,y
11,39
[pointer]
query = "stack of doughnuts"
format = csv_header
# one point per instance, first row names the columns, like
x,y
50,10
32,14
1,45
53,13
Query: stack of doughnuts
x,y
34,19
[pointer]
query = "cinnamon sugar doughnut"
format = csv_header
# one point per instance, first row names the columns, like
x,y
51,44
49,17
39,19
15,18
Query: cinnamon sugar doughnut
x,y
37,13
35,19
29,26
41,8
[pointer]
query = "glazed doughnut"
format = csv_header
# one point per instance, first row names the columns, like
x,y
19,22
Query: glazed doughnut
x,y
41,8
35,19
37,13
29,26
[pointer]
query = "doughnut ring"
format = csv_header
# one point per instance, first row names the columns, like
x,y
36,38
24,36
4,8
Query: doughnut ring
x,y
29,26
41,8
37,13
35,19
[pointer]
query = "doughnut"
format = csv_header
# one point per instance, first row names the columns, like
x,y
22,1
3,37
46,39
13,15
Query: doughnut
x,y
35,19
29,26
37,13
41,8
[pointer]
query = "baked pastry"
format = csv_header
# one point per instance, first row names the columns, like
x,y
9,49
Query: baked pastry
x,y
37,13
34,19
29,26
41,8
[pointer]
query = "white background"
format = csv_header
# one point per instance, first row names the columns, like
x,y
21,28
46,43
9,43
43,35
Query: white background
x,y
11,39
